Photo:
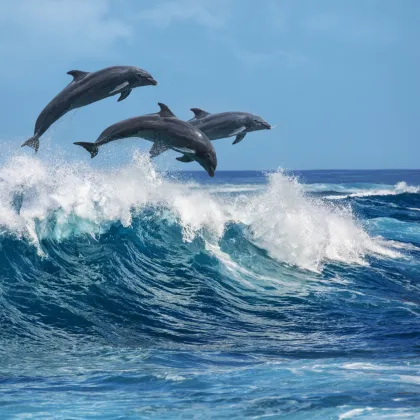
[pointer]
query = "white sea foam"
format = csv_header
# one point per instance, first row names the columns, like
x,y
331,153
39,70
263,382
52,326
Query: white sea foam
x,y
302,231
354,413
293,228
399,188
229,188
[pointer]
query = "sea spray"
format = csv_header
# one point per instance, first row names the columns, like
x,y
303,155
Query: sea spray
x,y
56,200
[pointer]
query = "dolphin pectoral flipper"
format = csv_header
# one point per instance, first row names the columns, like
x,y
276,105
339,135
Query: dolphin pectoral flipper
x,y
157,149
92,148
237,131
77,74
239,138
32,142
124,95
185,159
119,88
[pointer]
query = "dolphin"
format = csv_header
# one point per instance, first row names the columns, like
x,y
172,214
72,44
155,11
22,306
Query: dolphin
x,y
87,88
227,124
166,131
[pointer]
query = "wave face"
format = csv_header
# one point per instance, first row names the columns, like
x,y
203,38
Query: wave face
x,y
251,295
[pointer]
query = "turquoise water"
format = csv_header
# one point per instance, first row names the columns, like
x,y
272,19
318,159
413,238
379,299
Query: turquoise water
x,y
129,293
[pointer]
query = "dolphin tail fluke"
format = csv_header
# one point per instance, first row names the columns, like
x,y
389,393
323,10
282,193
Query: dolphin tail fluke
x,y
92,148
32,142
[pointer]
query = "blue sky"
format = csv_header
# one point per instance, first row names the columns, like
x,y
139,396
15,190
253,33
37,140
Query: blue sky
x,y
338,79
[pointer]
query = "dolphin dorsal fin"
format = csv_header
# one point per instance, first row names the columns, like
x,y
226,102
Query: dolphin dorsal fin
x,y
165,111
199,113
77,74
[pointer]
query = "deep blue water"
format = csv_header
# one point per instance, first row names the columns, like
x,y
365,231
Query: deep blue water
x,y
135,294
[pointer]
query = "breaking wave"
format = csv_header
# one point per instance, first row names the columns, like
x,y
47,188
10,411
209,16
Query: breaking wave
x,y
56,201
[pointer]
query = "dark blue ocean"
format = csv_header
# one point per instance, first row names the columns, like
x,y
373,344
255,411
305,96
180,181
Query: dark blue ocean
x,y
130,293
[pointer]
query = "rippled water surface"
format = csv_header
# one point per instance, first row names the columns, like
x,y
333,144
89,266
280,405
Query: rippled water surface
x,y
130,293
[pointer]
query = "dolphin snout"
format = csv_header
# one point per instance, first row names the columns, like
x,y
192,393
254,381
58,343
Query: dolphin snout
x,y
267,126
210,171
152,81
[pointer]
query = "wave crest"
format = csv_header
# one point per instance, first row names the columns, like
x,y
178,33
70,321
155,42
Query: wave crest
x,y
397,189
41,200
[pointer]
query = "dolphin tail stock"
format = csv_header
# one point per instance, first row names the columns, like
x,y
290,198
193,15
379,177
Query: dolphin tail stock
x,y
32,142
157,149
92,148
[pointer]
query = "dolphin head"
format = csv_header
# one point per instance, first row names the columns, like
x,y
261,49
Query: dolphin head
x,y
256,123
207,160
143,78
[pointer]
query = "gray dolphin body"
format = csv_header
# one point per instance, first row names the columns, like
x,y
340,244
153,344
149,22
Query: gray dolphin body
x,y
227,124
87,88
166,131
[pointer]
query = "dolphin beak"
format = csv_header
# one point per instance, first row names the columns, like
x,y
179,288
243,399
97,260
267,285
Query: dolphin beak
x,y
211,172
267,126
152,81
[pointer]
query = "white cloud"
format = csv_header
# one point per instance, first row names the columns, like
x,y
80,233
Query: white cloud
x,y
208,13
219,16
253,60
257,59
350,27
47,27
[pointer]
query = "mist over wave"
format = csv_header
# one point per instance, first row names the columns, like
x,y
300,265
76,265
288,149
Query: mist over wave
x,y
56,200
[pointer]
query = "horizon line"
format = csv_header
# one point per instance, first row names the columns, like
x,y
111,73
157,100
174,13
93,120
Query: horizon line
x,y
273,170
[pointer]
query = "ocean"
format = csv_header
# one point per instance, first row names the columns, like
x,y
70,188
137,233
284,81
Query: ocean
x,y
129,293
